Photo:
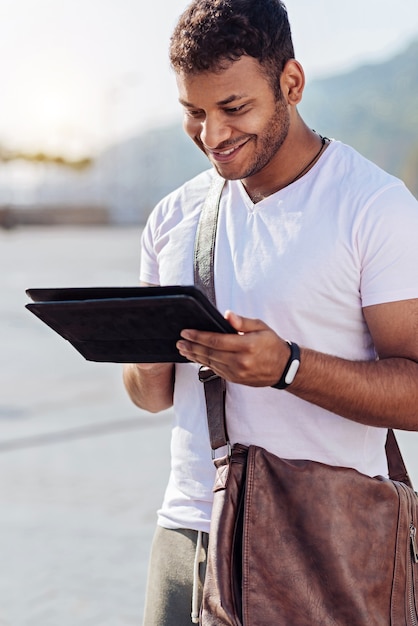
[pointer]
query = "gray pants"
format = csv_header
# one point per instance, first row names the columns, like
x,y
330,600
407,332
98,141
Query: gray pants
x,y
168,599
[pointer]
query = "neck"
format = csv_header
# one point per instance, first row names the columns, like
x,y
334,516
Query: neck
x,y
308,158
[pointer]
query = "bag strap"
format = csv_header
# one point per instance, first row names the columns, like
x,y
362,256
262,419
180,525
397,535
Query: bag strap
x,y
396,464
214,386
204,257
204,252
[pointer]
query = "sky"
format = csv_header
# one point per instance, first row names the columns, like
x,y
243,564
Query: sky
x,y
77,75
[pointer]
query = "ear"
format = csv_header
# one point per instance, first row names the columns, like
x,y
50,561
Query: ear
x,y
292,81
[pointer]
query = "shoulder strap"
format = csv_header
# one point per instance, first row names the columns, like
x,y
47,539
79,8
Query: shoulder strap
x,y
204,257
396,464
214,386
204,253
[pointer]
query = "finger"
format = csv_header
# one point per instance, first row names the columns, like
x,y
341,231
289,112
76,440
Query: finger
x,y
225,342
200,354
244,324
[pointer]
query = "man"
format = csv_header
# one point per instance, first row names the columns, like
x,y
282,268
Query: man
x,y
315,245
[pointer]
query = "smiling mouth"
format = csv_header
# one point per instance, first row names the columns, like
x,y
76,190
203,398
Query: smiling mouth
x,y
224,155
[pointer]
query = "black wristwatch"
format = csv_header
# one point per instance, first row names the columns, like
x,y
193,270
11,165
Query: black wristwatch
x,y
291,368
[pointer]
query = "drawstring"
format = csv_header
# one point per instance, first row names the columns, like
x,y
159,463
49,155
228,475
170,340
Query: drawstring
x,y
195,595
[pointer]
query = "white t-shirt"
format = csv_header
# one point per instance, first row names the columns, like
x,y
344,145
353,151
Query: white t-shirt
x,y
305,260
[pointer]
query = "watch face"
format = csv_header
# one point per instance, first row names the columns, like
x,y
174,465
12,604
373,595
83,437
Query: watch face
x,y
292,371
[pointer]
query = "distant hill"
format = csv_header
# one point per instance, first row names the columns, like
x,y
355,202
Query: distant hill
x,y
142,170
375,109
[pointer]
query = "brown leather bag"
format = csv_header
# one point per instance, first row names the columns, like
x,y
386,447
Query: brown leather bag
x,y
301,543
297,542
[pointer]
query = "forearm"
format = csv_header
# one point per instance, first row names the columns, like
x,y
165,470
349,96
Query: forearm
x,y
150,387
377,393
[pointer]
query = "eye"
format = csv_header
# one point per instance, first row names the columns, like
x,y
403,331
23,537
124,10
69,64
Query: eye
x,y
237,109
194,113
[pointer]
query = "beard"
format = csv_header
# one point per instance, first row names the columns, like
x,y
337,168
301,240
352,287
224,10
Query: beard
x,y
268,142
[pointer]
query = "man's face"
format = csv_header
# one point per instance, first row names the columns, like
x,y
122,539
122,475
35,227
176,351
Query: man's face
x,y
234,118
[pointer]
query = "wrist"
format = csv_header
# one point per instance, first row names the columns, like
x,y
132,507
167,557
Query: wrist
x,y
291,367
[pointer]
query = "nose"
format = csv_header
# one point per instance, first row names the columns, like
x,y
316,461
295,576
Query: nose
x,y
212,131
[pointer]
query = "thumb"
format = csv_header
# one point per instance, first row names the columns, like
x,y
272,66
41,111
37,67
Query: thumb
x,y
244,324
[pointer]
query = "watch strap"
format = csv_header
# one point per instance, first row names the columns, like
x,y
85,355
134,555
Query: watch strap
x,y
291,367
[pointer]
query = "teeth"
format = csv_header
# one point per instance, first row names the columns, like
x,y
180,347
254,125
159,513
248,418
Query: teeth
x,y
226,152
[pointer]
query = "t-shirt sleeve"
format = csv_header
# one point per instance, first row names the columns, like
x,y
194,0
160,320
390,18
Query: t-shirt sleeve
x,y
388,247
149,272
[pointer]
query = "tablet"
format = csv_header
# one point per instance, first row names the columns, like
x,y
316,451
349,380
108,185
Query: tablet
x,y
126,324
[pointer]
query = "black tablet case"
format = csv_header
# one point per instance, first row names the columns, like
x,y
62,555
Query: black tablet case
x,y
126,324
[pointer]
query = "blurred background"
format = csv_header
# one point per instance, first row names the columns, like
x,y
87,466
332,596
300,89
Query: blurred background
x,y
90,140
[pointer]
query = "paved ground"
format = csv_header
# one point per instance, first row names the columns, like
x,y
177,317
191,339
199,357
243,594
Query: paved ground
x,y
82,471
76,521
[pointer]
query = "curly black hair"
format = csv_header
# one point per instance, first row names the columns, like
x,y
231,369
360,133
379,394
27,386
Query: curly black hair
x,y
212,33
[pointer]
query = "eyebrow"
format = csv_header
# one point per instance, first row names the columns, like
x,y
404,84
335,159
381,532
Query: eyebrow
x,y
228,100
